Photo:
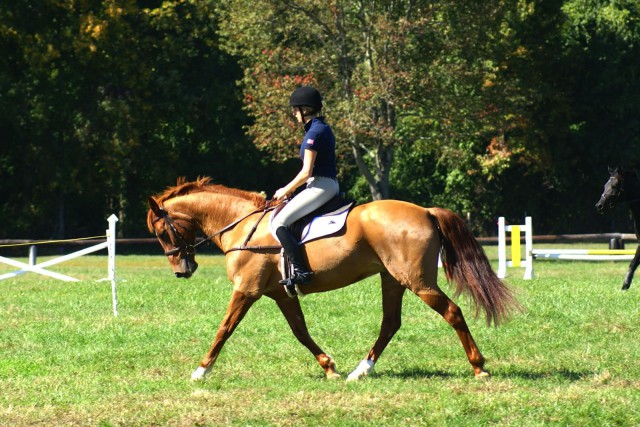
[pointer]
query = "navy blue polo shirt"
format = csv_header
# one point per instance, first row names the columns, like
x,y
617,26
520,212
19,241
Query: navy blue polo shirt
x,y
319,138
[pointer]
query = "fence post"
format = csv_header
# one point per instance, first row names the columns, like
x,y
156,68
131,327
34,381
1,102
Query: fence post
x,y
111,248
33,254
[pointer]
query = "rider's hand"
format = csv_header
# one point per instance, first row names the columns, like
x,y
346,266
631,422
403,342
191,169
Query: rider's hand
x,y
281,193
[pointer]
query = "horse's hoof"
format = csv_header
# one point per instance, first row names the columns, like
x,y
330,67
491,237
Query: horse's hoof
x,y
333,376
352,378
483,375
364,368
199,374
625,287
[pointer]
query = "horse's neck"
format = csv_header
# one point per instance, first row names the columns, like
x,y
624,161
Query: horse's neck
x,y
213,211
634,207
633,201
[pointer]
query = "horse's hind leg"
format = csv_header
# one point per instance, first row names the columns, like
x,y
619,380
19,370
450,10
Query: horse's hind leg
x,y
453,315
292,311
626,284
392,292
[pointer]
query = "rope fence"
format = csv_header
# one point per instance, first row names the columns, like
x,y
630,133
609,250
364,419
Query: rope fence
x,y
48,242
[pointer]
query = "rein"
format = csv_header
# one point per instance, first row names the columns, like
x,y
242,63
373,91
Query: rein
x,y
191,249
244,246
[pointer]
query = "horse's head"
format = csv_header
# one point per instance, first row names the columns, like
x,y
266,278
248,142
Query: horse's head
x,y
176,233
613,189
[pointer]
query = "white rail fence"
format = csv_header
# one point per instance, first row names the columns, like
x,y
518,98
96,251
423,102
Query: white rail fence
x,y
32,267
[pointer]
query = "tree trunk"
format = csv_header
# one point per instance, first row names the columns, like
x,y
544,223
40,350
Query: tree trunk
x,y
378,179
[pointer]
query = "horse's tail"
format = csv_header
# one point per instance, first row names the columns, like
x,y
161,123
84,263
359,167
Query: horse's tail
x,y
467,266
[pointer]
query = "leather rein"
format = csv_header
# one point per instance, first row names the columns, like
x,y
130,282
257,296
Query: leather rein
x,y
191,249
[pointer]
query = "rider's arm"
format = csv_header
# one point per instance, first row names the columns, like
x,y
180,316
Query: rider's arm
x,y
302,176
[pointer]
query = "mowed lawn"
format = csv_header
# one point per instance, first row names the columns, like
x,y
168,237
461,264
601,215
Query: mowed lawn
x,y
572,358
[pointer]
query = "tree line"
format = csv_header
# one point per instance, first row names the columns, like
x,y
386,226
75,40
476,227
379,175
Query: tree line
x,y
489,108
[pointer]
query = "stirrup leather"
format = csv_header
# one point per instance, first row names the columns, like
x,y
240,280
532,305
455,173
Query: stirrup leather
x,y
291,279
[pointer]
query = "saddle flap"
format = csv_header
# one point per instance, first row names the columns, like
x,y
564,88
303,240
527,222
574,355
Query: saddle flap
x,y
326,224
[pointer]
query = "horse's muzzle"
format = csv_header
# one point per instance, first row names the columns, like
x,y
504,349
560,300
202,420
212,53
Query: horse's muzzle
x,y
188,267
600,207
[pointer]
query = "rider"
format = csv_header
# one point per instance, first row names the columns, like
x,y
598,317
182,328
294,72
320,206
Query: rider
x,y
318,172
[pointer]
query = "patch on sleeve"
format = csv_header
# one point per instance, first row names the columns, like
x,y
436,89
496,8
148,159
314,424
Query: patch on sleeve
x,y
310,141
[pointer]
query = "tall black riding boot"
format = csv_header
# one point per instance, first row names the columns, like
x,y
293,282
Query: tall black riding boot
x,y
301,274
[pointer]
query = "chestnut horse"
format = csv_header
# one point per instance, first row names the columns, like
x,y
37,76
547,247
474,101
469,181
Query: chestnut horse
x,y
398,240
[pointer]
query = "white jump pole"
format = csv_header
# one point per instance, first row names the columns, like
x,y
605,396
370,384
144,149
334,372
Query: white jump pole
x,y
586,254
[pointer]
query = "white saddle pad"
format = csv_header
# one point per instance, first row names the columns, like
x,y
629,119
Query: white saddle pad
x,y
320,226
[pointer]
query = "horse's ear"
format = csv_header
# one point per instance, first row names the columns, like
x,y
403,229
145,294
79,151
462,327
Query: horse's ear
x,y
154,206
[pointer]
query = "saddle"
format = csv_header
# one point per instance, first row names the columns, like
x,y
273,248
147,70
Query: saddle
x,y
324,221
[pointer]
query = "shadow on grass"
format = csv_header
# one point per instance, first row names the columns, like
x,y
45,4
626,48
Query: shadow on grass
x,y
417,373
561,374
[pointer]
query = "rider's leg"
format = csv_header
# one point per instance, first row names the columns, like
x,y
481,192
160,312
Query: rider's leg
x,y
301,274
318,192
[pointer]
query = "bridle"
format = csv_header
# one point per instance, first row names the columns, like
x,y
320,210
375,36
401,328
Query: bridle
x,y
191,249
615,197
177,235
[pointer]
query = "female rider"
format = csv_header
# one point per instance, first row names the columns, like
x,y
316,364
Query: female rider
x,y
318,172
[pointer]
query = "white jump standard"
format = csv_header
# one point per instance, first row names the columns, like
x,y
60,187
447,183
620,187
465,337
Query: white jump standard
x,y
530,253
516,255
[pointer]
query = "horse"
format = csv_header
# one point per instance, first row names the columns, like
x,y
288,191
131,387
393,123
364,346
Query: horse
x,y
623,186
398,240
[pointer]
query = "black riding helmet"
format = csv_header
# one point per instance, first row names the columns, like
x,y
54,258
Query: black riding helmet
x,y
306,96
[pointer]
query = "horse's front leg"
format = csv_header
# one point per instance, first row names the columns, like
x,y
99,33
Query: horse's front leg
x,y
292,311
238,307
626,284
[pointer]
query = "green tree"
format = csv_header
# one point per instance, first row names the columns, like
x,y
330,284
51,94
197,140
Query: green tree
x,y
360,54
470,123
104,103
421,80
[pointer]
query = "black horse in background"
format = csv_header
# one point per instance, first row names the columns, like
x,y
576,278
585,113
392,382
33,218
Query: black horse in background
x,y
624,187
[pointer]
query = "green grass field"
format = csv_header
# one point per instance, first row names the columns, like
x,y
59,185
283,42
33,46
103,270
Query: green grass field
x,y
571,359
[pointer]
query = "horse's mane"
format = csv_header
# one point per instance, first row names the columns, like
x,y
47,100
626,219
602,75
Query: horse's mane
x,y
200,185
629,173
625,173
203,184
